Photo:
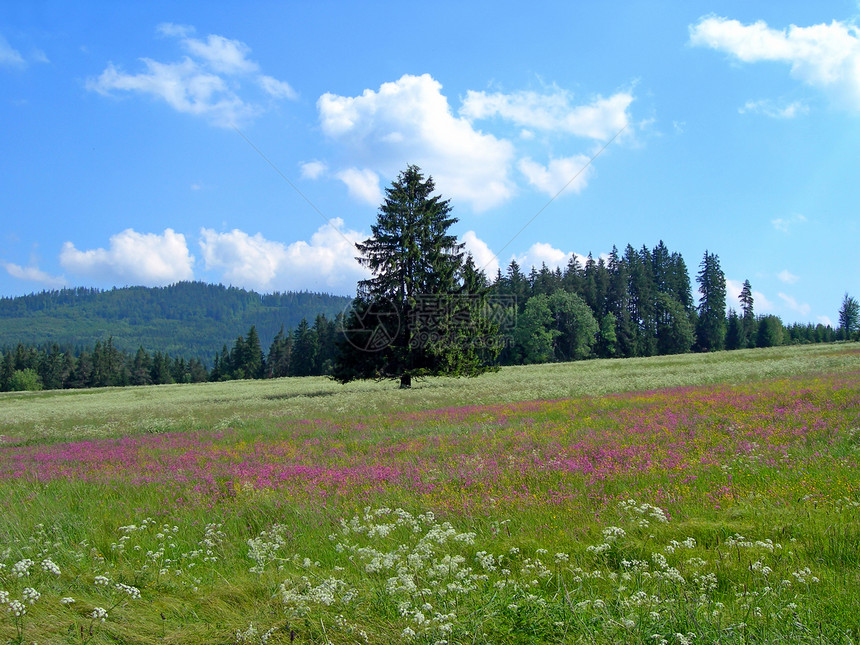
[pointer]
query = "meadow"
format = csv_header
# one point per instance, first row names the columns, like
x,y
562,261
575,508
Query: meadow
x,y
679,499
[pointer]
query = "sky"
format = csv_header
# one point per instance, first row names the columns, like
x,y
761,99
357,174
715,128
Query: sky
x,y
146,143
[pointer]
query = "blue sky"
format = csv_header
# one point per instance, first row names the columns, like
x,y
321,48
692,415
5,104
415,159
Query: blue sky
x,y
152,142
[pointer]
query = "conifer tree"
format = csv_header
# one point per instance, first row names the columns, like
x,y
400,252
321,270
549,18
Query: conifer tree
x,y
748,320
711,324
412,317
849,315
305,349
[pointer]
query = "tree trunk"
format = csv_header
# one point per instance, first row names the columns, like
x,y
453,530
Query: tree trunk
x,y
405,381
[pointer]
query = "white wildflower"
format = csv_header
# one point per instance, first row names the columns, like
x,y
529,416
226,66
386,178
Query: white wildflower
x,y
30,595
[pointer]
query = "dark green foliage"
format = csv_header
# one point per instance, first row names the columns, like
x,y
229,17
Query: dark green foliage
x,y
735,338
575,325
535,333
607,341
280,355
305,350
188,319
711,325
748,321
421,312
849,317
675,332
643,302
770,332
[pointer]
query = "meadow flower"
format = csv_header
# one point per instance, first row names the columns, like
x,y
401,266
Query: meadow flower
x,y
49,566
30,594
134,592
22,567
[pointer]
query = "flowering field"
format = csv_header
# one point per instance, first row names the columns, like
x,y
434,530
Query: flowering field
x,y
709,510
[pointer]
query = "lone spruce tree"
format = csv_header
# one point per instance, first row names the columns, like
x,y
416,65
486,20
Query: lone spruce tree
x,y
424,311
711,323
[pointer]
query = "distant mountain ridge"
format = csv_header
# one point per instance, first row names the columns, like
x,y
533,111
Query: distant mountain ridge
x,y
186,319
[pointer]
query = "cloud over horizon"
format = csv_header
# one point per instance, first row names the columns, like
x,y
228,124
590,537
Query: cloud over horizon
x,y
325,263
133,258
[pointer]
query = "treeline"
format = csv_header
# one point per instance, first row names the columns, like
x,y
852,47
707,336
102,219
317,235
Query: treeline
x,y
306,351
188,319
636,303
103,365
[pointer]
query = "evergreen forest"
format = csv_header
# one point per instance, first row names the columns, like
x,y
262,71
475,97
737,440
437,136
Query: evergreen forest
x,y
638,302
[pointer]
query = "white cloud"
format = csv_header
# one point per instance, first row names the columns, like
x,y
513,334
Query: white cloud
x,y
172,29
9,56
410,121
206,83
774,110
570,173
541,253
185,86
801,308
787,277
222,54
363,185
785,225
484,257
822,56
313,169
133,258
34,274
600,119
326,263
277,89
824,320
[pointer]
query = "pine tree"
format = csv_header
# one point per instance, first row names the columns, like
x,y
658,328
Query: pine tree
x,y
734,332
305,349
849,315
711,324
411,318
253,366
748,320
280,351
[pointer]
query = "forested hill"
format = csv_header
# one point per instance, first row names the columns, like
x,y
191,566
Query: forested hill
x,y
187,319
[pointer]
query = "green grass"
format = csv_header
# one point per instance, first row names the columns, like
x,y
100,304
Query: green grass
x,y
112,412
755,467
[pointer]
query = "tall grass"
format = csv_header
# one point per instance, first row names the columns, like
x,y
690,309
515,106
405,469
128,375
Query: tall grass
x,y
677,499
112,412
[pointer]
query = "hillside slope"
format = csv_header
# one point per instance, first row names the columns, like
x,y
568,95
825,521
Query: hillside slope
x,y
187,319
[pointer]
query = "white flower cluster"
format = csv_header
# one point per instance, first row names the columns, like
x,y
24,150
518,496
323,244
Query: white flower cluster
x,y
252,635
22,568
267,547
645,513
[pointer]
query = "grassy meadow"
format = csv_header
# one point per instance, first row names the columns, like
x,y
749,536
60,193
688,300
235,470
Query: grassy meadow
x,y
681,499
